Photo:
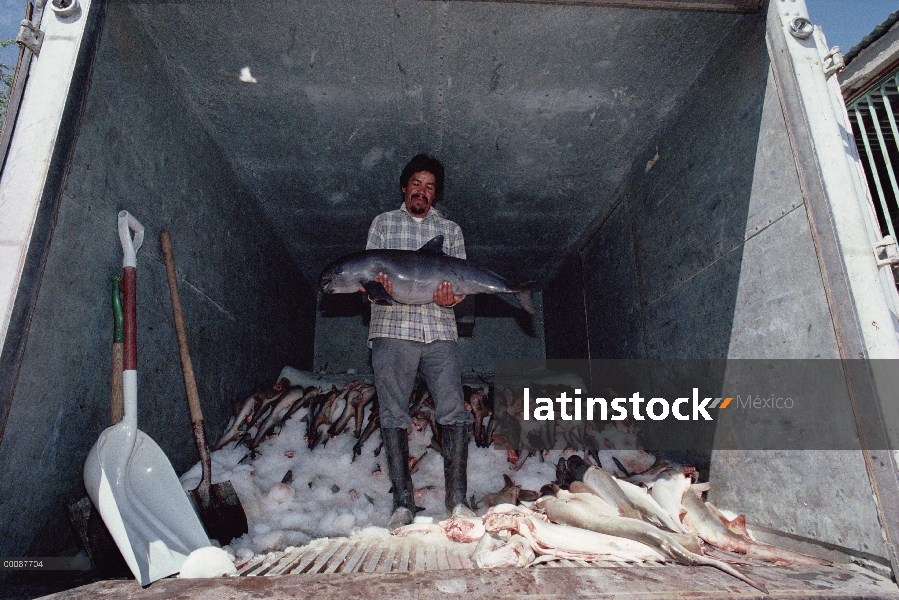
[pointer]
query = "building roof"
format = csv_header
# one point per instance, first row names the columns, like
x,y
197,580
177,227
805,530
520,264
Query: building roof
x,y
872,58
872,37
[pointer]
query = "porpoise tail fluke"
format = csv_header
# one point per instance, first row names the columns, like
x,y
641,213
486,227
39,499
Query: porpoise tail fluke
x,y
523,293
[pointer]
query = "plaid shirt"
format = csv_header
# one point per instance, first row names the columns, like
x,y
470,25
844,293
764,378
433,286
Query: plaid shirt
x,y
397,230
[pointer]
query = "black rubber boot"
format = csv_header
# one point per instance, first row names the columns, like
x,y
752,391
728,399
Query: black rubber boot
x,y
396,445
454,439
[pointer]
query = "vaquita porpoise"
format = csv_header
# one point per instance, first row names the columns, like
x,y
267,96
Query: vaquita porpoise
x,y
415,275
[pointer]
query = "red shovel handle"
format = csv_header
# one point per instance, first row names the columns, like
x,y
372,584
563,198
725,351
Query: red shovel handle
x,y
130,246
129,329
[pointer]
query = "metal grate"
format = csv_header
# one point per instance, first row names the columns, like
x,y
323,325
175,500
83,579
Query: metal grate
x,y
343,556
347,556
874,121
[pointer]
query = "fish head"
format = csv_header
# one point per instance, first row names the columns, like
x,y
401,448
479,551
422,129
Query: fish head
x,y
330,277
343,276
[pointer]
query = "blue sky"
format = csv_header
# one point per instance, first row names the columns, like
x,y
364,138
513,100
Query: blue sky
x,y
845,22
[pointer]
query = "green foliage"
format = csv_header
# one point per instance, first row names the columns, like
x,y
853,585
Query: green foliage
x,y
7,72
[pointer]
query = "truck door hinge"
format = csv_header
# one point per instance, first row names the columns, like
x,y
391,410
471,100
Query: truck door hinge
x,y
30,37
833,62
886,252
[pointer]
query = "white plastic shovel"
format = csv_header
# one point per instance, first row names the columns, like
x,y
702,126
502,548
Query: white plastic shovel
x,y
128,477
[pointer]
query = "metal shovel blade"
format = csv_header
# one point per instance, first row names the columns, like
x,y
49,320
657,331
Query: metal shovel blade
x,y
220,511
133,485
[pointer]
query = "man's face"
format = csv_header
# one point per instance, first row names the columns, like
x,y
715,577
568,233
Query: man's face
x,y
419,193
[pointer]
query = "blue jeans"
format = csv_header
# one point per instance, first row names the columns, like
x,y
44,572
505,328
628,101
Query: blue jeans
x,y
396,362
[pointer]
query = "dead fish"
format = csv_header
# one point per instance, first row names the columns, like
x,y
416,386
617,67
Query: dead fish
x,y
508,495
234,432
700,520
340,424
600,483
374,422
620,466
325,414
415,463
422,491
568,509
480,409
415,275
286,400
516,465
501,441
648,507
648,476
420,394
309,393
463,529
425,416
318,413
494,553
315,405
668,490
356,400
269,398
565,541
527,495
368,394
737,525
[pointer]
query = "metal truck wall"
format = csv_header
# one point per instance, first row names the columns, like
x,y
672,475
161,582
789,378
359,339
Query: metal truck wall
x,y
709,254
246,307
648,146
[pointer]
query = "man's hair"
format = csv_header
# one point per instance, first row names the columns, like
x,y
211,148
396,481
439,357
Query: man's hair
x,y
423,162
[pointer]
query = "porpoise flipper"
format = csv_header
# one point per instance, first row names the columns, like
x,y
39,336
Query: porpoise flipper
x,y
377,293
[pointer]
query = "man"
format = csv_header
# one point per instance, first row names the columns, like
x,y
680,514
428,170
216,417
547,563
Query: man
x,y
408,339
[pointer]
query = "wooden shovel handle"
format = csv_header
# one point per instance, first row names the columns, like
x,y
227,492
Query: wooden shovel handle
x,y
190,383
117,405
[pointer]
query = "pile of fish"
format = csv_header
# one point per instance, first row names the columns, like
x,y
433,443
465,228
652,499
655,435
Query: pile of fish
x,y
525,438
328,410
588,514
330,402
613,501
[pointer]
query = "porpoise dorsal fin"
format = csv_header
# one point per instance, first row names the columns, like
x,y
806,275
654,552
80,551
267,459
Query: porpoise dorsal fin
x,y
434,246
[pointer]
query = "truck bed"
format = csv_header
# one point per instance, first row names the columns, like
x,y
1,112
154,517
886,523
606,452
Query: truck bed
x,y
345,568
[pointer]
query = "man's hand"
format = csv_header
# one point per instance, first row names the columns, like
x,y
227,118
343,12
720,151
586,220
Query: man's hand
x,y
444,295
383,280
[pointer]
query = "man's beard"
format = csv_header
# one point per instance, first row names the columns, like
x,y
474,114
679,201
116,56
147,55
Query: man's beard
x,y
417,209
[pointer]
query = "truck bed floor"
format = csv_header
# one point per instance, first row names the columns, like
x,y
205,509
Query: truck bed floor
x,y
343,568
